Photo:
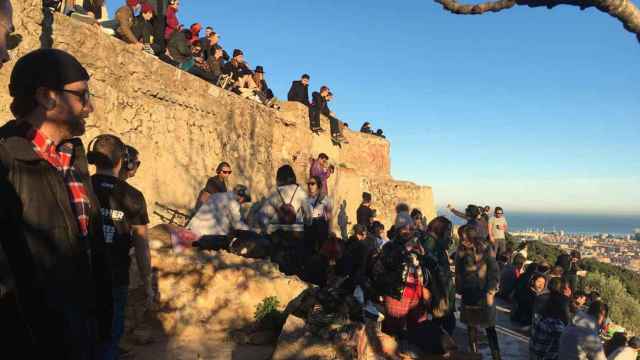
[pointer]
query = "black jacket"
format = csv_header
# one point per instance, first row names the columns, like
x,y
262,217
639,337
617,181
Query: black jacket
x,y
234,70
62,280
299,92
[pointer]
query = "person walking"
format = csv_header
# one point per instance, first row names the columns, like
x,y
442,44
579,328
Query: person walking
x,y
477,283
59,263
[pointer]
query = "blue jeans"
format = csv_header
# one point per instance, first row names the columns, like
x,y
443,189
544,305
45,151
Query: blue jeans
x,y
120,295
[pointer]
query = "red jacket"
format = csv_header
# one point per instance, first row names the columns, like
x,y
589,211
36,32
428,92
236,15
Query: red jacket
x,y
172,22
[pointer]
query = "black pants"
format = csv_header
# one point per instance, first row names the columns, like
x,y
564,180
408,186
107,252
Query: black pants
x,y
335,126
203,74
448,322
314,118
289,251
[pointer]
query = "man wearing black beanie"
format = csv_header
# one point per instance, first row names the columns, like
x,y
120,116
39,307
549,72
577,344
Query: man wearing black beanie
x,y
49,215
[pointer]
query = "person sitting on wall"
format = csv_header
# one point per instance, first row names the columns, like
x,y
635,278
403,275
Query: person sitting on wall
x,y
171,19
215,184
216,63
144,30
366,128
299,90
124,31
181,51
379,133
236,65
317,106
334,123
213,44
258,78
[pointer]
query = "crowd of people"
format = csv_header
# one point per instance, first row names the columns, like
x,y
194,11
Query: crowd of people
x,y
159,33
65,259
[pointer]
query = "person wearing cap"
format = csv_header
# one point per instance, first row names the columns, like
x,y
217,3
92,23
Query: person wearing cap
x,y
212,44
124,16
144,29
58,262
6,28
629,352
261,83
125,221
220,214
299,90
236,66
318,104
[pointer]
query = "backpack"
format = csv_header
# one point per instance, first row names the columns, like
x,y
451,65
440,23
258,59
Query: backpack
x,y
287,214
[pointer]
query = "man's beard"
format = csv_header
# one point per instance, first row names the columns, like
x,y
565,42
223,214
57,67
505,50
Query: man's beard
x,y
75,125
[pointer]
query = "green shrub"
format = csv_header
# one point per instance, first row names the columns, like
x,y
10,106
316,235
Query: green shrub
x,y
624,309
267,315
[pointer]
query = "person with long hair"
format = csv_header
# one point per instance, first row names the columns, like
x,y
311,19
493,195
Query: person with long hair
x,y
477,282
436,243
284,214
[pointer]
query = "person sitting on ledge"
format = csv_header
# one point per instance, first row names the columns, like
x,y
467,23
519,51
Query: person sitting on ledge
x,y
299,90
258,78
216,63
334,123
172,24
204,41
181,51
213,44
317,106
236,65
380,133
124,31
366,128
144,30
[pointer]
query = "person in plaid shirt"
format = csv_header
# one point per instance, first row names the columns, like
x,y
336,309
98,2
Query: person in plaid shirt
x,y
545,335
52,231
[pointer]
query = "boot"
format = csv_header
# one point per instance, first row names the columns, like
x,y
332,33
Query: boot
x,y
494,345
473,339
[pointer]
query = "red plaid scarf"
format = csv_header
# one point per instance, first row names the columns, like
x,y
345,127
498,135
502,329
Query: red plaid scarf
x,y
61,158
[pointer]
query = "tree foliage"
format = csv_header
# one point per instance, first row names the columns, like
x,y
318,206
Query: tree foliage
x,y
624,309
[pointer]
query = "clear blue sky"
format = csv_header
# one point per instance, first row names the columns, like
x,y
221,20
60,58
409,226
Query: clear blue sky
x,y
532,109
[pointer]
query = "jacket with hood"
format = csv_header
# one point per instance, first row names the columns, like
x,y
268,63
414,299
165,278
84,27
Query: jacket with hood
x,y
581,341
299,92
124,16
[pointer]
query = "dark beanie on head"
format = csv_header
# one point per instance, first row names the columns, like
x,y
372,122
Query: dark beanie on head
x,y
237,52
50,68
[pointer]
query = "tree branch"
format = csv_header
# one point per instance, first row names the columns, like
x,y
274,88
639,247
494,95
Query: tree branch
x,y
623,10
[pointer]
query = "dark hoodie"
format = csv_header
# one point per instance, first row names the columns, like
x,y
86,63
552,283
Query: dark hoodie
x,y
299,92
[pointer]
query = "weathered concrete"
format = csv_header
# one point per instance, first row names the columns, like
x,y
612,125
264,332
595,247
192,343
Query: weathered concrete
x,y
183,126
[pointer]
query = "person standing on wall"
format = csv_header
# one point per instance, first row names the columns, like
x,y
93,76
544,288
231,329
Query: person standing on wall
x,y
59,263
125,220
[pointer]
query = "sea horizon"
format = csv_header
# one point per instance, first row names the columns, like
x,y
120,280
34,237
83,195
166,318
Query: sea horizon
x,y
569,223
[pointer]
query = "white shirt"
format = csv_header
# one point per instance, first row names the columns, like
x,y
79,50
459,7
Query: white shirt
x,y
291,194
624,353
320,208
218,216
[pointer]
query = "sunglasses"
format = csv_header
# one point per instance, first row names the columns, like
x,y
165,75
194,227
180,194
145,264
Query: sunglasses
x,y
226,172
499,213
84,96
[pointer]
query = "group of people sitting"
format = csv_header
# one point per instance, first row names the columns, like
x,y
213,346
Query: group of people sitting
x,y
366,129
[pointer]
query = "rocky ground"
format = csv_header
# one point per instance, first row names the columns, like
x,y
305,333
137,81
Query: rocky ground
x,y
207,305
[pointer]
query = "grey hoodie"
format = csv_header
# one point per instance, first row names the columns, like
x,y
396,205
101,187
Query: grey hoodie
x,y
581,341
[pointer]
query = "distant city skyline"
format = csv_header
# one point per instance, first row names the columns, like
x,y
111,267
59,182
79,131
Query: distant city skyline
x,y
532,109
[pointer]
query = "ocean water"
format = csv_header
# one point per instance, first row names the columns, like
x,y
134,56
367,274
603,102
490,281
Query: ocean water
x,y
570,223
574,223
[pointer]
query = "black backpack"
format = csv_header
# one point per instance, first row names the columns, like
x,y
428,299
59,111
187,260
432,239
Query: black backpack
x,y
287,214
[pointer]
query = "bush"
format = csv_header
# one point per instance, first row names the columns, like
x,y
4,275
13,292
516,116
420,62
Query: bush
x,y
624,309
539,251
629,279
267,315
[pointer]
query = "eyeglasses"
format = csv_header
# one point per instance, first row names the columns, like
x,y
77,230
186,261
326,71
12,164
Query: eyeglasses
x,y
84,96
